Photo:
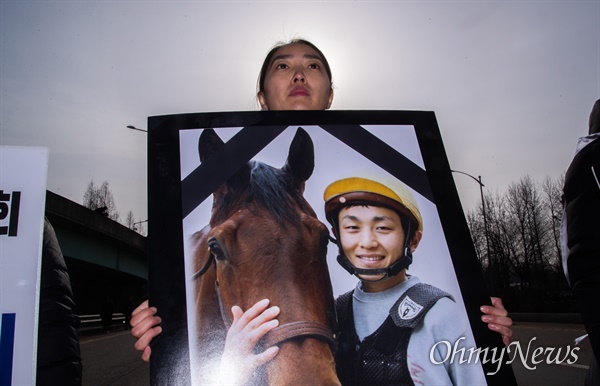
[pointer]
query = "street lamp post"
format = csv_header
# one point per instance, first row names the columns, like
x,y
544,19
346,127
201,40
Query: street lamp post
x,y
138,223
485,226
135,128
131,127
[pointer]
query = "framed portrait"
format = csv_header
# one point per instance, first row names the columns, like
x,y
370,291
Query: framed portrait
x,y
219,238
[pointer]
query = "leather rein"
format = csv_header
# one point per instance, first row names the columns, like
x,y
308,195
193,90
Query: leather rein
x,y
280,334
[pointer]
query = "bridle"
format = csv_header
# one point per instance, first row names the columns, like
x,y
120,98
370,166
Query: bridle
x,y
280,334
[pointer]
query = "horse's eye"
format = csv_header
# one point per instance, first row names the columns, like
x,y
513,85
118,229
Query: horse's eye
x,y
215,249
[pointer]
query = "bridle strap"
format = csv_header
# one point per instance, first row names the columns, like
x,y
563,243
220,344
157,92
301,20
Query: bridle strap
x,y
301,329
226,320
203,270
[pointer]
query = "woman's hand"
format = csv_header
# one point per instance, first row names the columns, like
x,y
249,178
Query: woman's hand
x,y
239,362
497,319
145,326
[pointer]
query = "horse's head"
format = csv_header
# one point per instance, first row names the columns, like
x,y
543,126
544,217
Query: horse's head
x,y
267,243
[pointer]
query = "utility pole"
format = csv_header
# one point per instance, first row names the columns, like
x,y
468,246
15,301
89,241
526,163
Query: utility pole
x,y
485,225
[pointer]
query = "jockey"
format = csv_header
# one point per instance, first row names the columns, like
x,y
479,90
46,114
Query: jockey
x,y
390,323
393,195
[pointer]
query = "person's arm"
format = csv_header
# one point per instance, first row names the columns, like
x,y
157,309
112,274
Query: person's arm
x,y
497,319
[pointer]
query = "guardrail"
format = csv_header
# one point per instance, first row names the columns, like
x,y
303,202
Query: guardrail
x,y
94,322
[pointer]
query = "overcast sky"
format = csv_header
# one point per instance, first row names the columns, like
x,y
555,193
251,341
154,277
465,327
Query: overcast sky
x,y
511,82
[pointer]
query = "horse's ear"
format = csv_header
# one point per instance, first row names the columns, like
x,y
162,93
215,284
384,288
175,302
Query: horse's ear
x,y
208,144
240,179
236,183
301,158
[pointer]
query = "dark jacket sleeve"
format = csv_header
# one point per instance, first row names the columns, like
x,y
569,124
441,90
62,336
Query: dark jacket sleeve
x,y
58,358
582,208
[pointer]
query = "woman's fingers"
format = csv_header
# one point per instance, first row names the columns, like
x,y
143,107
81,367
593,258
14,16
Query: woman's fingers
x,y
146,354
144,324
143,342
497,308
142,316
139,309
497,319
506,332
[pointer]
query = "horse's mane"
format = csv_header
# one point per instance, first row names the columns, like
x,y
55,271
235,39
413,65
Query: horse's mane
x,y
270,189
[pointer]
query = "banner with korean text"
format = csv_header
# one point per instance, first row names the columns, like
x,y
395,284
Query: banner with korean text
x,y
23,173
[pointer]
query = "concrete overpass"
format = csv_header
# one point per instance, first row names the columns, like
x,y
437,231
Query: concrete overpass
x,y
105,259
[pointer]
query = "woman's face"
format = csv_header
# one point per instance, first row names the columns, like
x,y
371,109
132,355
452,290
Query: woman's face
x,y
296,80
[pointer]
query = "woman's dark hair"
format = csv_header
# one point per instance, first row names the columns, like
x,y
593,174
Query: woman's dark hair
x,y
265,66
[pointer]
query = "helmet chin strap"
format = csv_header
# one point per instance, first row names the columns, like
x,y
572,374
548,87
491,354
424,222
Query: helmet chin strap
x,y
402,263
394,269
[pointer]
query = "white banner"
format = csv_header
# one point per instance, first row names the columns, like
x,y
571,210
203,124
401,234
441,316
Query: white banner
x,y
23,173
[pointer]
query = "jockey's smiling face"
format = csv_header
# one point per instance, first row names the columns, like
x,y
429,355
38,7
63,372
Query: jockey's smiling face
x,y
373,237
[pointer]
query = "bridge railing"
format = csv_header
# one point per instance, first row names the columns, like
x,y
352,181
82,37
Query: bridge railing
x,y
93,322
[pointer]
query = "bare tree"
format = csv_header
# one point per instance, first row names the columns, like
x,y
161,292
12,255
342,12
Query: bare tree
x,y
525,209
523,265
501,237
130,220
553,191
100,198
89,196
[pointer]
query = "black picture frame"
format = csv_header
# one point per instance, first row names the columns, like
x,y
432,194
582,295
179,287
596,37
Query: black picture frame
x,y
171,198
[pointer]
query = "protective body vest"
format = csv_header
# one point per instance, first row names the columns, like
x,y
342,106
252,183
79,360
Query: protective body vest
x,y
380,359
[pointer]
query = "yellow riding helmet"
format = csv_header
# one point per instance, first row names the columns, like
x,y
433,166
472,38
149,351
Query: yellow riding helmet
x,y
358,190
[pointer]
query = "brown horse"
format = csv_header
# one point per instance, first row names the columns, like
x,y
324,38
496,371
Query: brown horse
x,y
266,242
